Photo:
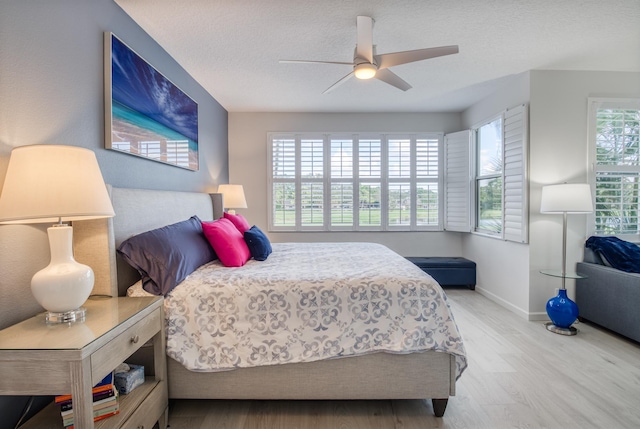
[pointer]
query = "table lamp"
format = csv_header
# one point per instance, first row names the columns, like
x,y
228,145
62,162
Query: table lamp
x,y
52,183
565,198
232,197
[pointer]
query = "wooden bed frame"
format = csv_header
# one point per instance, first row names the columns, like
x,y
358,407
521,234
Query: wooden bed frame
x,y
375,376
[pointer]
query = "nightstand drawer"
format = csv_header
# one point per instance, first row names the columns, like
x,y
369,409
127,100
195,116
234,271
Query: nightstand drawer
x,y
111,355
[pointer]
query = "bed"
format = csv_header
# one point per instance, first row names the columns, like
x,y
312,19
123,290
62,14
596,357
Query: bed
x,y
371,366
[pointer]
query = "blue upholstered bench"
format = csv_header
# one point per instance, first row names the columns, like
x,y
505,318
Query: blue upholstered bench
x,y
448,271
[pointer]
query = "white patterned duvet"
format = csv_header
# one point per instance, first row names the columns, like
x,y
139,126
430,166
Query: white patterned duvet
x,y
308,302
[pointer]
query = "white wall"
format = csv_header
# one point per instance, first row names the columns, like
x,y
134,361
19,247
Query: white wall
x,y
509,273
558,153
248,166
502,267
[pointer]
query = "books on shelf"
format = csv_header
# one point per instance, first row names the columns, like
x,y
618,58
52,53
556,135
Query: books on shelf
x,y
97,405
99,392
66,404
105,403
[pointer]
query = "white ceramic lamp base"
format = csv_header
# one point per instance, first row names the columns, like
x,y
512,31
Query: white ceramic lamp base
x,y
64,285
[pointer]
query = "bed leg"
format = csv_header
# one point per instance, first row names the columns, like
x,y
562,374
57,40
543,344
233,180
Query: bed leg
x,y
439,405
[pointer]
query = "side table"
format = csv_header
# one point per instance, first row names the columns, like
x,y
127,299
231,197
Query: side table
x,y
561,305
41,359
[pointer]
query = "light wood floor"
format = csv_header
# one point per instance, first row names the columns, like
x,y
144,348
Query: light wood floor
x,y
519,376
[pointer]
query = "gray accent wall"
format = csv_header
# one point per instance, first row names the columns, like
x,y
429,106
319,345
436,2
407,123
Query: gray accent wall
x,y
51,92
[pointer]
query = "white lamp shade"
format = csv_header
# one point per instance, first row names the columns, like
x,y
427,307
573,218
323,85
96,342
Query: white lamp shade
x,y
566,198
233,196
48,183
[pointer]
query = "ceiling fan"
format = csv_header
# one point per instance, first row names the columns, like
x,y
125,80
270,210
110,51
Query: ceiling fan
x,y
366,64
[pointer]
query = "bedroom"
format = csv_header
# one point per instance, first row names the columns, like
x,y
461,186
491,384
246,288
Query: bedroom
x,y
51,91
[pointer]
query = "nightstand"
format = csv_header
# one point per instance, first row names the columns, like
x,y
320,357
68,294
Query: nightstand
x,y
41,359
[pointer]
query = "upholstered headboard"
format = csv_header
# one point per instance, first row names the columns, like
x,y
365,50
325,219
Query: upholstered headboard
x,y
137,210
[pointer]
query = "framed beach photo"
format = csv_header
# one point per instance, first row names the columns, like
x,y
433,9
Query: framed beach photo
x,y
146,115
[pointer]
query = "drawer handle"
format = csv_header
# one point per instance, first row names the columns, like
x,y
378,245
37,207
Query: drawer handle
x,y
135,339
140,427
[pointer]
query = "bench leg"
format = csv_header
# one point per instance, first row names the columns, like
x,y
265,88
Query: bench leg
x,y
472,287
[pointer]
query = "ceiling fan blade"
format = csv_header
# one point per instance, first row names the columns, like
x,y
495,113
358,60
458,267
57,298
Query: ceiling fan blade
x,y
364,46
338,83
313,62
392,79
397,58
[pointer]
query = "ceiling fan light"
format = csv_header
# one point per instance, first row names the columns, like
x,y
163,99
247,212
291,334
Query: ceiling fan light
x,y
365,71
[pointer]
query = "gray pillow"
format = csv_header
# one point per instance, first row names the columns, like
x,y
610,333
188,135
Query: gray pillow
x,y
166,256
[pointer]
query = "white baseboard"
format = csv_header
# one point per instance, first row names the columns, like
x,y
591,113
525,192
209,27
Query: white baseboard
x,y
538,316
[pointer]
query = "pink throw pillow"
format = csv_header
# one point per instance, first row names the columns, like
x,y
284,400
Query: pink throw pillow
x,y
227,242
239,221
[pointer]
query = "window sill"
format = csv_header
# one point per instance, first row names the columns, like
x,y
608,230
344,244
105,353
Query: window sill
x,y
488,235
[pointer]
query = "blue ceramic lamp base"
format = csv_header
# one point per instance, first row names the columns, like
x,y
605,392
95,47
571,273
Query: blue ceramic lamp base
x,y
563,312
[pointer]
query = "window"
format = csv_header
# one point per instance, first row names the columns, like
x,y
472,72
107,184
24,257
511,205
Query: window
x,y
615,155
499,183
489,149
355,182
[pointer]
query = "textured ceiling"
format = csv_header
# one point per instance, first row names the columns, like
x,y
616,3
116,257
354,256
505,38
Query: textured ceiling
x,y
232,47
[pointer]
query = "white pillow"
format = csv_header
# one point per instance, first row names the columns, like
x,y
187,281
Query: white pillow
x,y
136,291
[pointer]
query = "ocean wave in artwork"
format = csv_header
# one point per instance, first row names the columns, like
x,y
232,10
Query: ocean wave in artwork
x,y
140,87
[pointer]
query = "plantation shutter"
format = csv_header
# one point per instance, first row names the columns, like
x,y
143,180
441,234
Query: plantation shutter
x,y
369,183
312,192
515,175
457,179
427,172
283,158
341,204
614,136
282,183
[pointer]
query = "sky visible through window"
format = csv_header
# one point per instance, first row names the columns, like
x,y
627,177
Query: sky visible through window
x,y
490,138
